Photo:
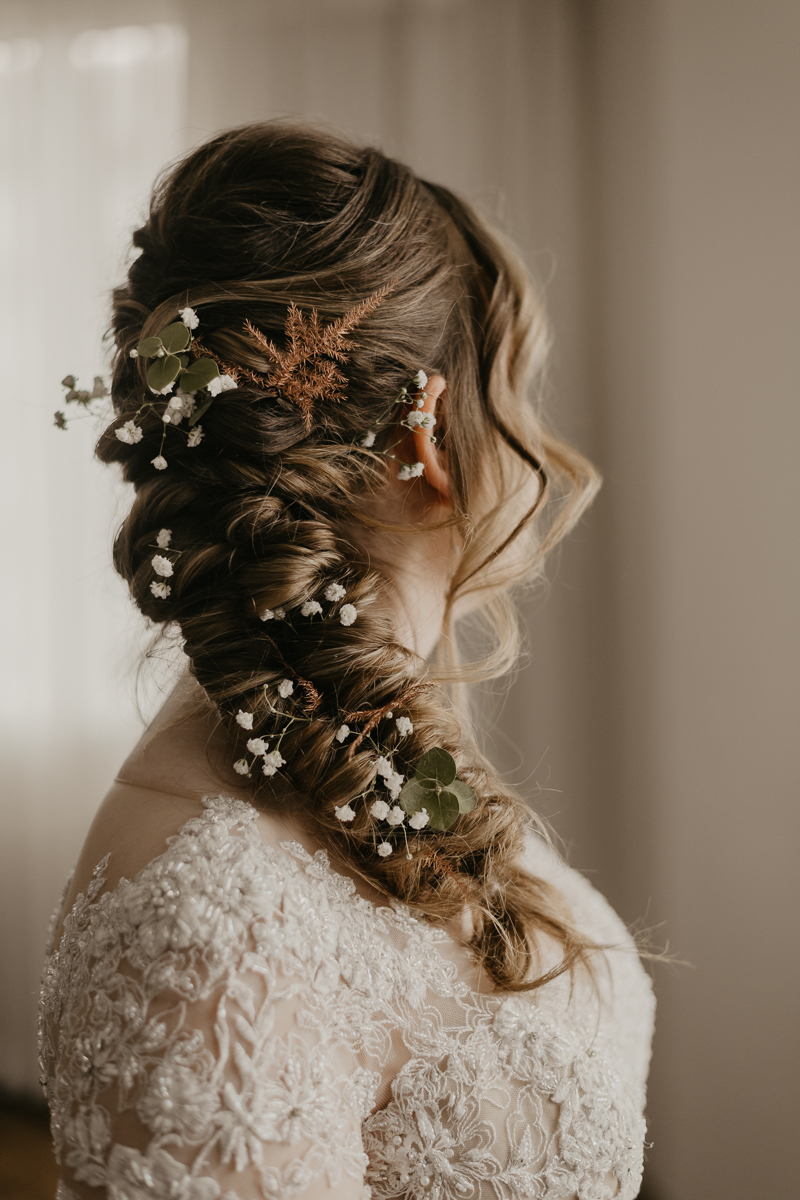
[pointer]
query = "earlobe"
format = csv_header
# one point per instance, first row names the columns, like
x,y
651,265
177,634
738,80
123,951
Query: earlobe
x,y
428,452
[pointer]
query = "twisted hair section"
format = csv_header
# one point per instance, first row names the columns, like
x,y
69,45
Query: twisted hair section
x,y
265,512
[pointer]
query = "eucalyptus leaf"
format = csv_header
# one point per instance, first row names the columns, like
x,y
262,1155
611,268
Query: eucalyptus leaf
x,y
464,794
149,348
184,359
415,795
199,374
201,409
163,371
437,764
175,337
442,809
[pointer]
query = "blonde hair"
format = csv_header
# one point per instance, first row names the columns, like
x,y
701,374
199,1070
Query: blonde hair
x,y
253,220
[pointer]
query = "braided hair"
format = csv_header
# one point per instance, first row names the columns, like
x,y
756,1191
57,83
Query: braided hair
x,y
265,510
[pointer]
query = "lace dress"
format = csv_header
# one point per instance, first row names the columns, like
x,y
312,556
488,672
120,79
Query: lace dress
x,y
237,1023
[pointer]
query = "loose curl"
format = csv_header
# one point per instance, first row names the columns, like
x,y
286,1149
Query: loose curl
x,y
263,511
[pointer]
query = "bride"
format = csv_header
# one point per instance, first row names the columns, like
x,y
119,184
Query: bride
x,y
314,946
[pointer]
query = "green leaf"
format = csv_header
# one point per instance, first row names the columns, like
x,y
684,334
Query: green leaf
x,y
149,348
184,358
442,809
199,374
437,764
175,337
464,794
416,795
201,410
163,371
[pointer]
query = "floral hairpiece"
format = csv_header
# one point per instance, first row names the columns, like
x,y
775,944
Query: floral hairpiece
x,y
415,397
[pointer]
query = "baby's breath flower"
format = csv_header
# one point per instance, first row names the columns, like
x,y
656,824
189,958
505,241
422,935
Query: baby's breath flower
x,y
221,383
420,819
348,614
285,688
189,318
335,591
280,614
385,849
257,746
424,420
162,566
384,767
130,433
344,812
404,726
245,719
165,390
163,538
380,810
272,762
160,590
342,732
134,353
241,766
410,470
396,816
195,437
166,417
420,379
267,615
394,782
309,608
159,462
368,439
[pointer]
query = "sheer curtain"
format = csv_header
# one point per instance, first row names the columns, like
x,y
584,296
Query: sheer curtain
x,y
87,118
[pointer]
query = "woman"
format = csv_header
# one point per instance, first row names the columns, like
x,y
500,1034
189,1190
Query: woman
x,y
314,946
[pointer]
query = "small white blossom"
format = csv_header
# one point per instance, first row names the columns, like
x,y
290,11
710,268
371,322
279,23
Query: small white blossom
x,y
384,767
310,607
348,614
410,470
159,462
245,719
267,615
385,849
241,766
167,418
134,353
394,782
285,688
195,437
257,746
344,813
389,715
404,726
420,379
176,403
342,732
165,390
396,816
162,566
422,420
368,439
130,433
221,383
380,810
272,761
335,591
280,614
161,590
189,318
419,401
163,538
420,819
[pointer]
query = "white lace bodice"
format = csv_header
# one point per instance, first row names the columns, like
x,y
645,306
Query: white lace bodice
x,y
237,1023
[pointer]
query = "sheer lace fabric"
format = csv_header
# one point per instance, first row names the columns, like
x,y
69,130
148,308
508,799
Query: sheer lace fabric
x,y
237,1022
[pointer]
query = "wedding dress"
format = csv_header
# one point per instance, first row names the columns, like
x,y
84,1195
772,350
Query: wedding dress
x,y
237,1022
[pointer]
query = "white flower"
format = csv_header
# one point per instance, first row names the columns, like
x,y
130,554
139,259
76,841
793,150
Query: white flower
x,y
394,782
280,614
368,439
134,353
176,403
257,746
420,819
345,813
424,420
272,761
348,614
404,726
310,607
245,719
167,418
189,318
195,437
285,688
163,538
162,566
130,433
241,766
380,810
161,590
396,816
221,383
384,849
420,379
267,615
165,390
335,591
159,462
384,767
342,732
410,470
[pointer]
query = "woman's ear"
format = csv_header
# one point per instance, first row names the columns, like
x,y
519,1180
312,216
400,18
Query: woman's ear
x,y
425,450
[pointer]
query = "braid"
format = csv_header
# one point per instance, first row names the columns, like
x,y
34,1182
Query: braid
x,y
264,513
